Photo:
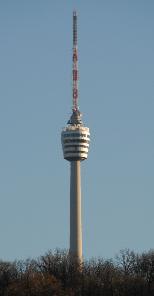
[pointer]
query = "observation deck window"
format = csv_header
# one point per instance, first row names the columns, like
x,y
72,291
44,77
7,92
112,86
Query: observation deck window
x,y
77,141
75,135
76,146
75,152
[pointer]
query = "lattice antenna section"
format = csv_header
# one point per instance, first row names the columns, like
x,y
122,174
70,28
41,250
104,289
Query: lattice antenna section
x,y
75,64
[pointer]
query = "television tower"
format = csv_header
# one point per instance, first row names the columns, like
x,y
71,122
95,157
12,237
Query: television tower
x,y
75,138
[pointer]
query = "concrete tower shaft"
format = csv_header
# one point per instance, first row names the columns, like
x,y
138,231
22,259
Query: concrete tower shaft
x,y
75,210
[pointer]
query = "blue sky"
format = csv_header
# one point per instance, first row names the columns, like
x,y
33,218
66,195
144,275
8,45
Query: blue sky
x,y
116,67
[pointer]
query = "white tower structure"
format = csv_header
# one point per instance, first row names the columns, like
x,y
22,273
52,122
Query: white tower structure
x,y
75,139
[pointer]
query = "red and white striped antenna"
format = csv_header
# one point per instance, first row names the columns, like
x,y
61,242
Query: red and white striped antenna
x,y
75,64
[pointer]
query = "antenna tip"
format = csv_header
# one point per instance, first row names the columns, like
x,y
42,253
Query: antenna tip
x,y
74,13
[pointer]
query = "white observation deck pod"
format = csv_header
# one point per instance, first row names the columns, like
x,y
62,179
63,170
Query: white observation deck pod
x,y
75,139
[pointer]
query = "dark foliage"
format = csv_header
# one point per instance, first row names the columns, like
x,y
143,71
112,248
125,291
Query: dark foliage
x,y
56,274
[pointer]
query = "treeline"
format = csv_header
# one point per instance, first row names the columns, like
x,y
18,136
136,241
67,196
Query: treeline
x,y
129,274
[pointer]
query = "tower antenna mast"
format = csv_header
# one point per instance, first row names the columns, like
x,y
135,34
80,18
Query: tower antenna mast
x,y
75,64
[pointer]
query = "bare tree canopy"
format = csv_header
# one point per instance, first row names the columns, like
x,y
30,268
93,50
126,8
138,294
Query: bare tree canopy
x,y
57,274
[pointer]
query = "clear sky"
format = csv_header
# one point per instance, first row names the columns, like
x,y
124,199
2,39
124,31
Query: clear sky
x,y
116,64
